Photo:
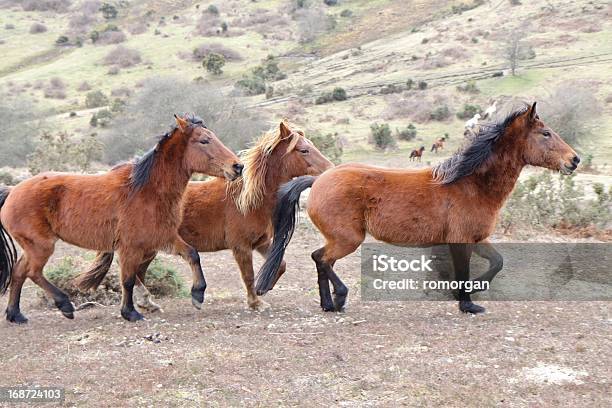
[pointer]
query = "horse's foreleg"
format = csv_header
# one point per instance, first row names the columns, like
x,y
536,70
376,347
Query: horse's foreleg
x,y
263,251
190,254
496,262
461,254
244,258
142,296
129,263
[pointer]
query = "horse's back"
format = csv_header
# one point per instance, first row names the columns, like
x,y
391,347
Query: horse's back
x,y
79,209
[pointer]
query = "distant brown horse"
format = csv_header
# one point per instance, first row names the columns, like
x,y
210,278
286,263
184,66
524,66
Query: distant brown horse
x,y
438,145
457,203
417,154
214,220
134,209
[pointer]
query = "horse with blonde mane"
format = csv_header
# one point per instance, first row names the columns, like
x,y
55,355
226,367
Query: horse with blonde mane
x,y
235,215
456,202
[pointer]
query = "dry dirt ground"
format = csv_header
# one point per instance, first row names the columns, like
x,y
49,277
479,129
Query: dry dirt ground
x,y
374,354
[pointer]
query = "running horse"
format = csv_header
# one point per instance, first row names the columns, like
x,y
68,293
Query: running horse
x,y
456,202
438,145
134,209
214,220
417,154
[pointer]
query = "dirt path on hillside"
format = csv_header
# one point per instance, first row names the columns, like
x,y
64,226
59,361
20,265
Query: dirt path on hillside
x,y
412,354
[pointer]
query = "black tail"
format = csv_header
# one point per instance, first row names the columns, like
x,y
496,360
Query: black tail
x,y
284,219
8,252
93,277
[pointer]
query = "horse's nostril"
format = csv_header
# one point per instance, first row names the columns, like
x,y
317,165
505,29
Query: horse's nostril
x,y
576,160
238,168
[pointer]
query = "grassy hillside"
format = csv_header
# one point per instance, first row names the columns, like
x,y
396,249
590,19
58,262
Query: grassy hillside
x,y
362,46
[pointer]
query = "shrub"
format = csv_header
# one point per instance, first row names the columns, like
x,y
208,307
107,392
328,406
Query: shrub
x,y
95,99
20,128
255,82
122,57
163,280
346,13
61,152
147,113
422,85
544,201
468,111
9,26
62,40
37,28
390,89
202,50
406,134
212,9
56,89
312,22
59,6
109,37
329,145
409,84
252,85
570,111
7,178
102,118
440,113
108,11
339,94
381,136
469,87
214,63
224,27
330,2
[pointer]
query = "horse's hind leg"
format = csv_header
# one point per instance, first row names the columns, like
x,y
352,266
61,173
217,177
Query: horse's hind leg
x,y
325,258
142,296
191,255
13,313
496,263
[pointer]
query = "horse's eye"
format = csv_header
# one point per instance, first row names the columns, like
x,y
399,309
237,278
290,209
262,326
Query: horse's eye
x,y
205,141
546,133
304,151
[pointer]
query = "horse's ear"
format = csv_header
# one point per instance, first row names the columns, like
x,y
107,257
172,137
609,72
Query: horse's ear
x,y
181,123
284,130
532,114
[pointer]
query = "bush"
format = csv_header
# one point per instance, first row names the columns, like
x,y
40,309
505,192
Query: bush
x,y
570,111
422,85
390,89
59,6
108,37
469,111
122,57
95,99
212,9
109,12
469,87
255,82
329,145
339,94
440,113
163,280
7,179
202,50
62,40
61,152
56,89
9,26
20,128
146,114
346,13
214,63
37,28
102,118
312,22
381,137
252,85
544,201
330,2
409,84
406,134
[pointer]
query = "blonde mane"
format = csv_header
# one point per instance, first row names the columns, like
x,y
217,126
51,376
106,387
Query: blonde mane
x,y
249,190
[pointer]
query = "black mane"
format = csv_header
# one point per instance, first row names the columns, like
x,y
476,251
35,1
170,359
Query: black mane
x,y
471,157
144,164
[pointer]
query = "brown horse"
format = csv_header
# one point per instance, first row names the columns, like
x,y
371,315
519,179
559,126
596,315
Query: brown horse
x,y
134,209
456,202
438,144
417,154
240,221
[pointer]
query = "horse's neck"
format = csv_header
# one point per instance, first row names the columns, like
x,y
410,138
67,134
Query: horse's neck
x,y
276,176
169,177
498,180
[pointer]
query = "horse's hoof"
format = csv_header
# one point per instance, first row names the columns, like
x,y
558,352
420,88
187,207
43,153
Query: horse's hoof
x,y
66,307
259,305
131,315
16,317
196,304
328,307
467,306
339,301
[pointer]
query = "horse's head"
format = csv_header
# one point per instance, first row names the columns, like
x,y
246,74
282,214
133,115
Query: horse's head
x,y
300,156
205,153
544,147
